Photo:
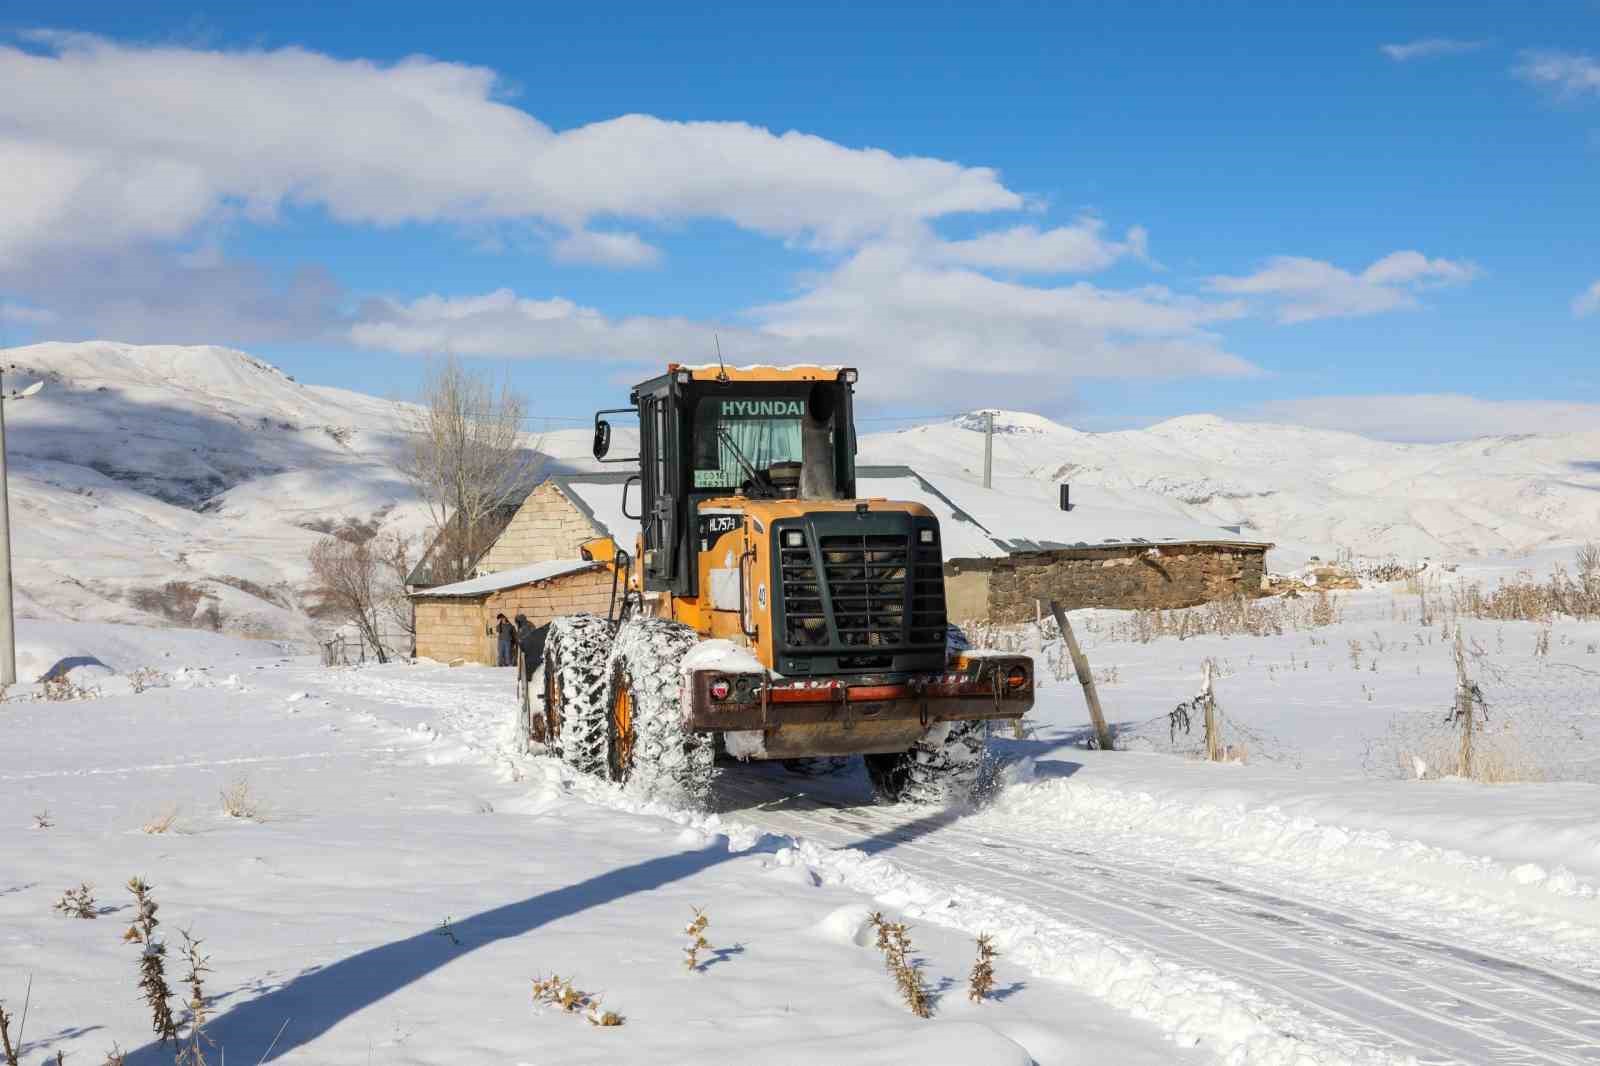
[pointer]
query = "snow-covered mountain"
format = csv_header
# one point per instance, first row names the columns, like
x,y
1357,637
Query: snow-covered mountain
x,y
184,485
1318,490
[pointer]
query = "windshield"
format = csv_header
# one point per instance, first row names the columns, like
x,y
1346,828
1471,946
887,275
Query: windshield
x,y
764,430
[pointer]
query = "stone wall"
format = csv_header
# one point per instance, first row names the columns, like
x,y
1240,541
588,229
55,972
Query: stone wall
x,y
1126,577
462,629
547,526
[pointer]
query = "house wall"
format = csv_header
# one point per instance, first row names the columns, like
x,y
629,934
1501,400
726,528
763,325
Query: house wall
x,y
1126,577
588,592
547,526
457,629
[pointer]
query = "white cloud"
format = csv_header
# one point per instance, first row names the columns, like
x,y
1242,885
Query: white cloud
x,y
1428,48
1587,302
918,331
605,249
1078,248
1432,416
1563,73
105,145
1308,289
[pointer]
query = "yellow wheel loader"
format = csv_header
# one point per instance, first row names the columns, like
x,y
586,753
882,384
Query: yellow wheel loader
x,y
765,611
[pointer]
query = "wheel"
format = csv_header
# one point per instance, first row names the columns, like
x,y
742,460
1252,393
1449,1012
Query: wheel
x,y
941,768
648,745
575,654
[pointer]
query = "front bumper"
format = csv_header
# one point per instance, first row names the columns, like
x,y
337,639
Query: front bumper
x,y
974,686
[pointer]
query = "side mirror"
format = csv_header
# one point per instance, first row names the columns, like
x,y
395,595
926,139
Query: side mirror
x,y
602,438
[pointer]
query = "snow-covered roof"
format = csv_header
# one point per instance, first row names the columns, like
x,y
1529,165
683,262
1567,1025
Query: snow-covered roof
x,y
506,579
976,523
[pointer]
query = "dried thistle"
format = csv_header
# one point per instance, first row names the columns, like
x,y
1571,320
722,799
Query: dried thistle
x,y
697,940
981,983
78,902
894,940
152,961
6,1045
192,1053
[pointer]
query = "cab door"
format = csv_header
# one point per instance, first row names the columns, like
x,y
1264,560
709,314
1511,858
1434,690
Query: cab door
x,y
659,475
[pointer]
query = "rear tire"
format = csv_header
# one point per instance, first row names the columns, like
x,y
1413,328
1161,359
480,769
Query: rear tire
x,y
575,654
649,747
941,768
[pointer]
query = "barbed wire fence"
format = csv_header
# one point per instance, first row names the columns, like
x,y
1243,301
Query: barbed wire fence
x,y
1509,719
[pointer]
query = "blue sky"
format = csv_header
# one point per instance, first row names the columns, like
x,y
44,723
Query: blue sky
x,y
1137,210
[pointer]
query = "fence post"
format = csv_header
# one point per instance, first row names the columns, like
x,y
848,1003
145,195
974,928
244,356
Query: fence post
x,y
1102,735
1465,697
1208,699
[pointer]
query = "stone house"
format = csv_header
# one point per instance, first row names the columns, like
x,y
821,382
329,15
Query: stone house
x,y
455,623
1002,551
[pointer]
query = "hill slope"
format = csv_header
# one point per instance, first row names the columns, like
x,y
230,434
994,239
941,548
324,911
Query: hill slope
x,y
1319,489
184,485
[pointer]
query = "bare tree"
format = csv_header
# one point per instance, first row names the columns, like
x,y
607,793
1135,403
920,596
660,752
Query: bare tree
x,y
357,583
468,461
395,606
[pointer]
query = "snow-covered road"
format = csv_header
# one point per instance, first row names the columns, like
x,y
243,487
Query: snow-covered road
x,y
1234,956
1381,986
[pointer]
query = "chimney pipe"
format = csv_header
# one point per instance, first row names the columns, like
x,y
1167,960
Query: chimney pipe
x,y
1066,496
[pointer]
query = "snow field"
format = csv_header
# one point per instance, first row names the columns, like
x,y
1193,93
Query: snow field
x,y
389,806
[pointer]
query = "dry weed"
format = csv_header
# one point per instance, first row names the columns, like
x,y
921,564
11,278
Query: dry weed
x,y
696,931
192,1051
42,820
558,992
980,983
152,961
6,1045
238,801
78,902
894,941
162,822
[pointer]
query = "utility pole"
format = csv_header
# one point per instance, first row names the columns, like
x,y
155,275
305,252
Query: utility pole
x,y
988,449
8,635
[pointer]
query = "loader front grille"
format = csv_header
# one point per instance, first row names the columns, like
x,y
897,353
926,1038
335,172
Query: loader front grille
x,y
865,599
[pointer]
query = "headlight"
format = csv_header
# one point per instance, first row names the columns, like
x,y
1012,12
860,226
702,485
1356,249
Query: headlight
x,y
1016,677
794,538
721,688
926,536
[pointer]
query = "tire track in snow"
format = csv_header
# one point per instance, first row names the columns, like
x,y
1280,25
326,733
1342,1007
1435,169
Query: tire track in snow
x,y
1401,993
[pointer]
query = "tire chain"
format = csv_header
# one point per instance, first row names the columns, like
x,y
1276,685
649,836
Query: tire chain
x,y
667,758
577,649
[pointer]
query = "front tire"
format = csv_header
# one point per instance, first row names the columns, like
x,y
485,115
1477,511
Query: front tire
x,y
648,745
576,651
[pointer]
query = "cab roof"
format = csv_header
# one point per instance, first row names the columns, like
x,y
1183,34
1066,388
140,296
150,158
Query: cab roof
x,y
762,372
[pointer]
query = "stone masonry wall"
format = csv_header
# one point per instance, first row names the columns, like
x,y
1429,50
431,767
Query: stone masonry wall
x,y
452,629
547,526
1120,577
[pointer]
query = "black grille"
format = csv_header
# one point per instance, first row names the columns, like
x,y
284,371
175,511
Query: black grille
x,y
886,591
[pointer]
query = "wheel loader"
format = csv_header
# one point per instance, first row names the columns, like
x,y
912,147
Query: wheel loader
x,y
765,610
